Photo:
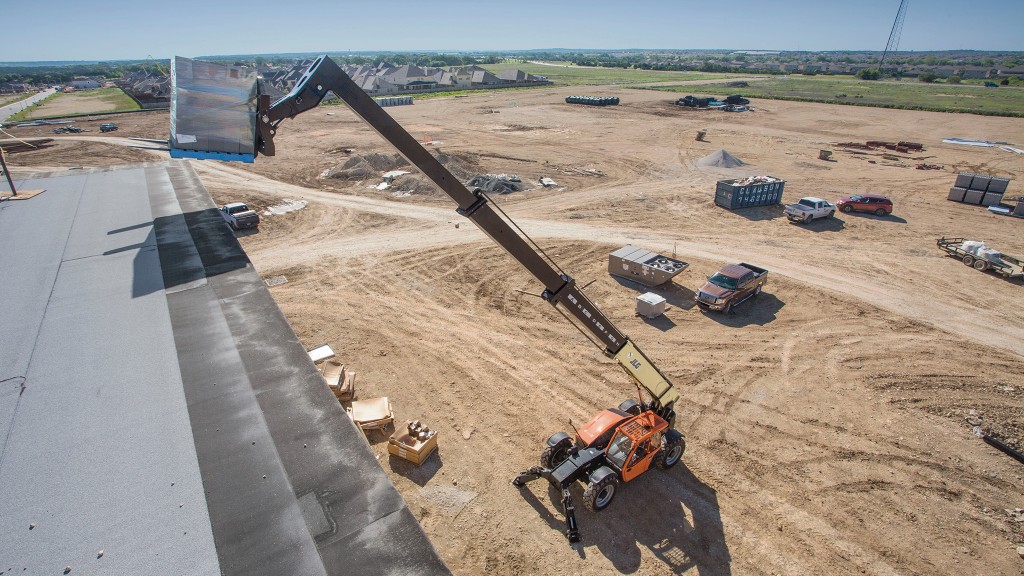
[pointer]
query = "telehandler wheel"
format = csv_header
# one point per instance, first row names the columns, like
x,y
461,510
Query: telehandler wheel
x,y
554,455
599,495
671,452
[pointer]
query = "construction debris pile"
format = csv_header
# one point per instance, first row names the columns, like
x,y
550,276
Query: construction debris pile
x,y
593,100
978,189
497,183
734,103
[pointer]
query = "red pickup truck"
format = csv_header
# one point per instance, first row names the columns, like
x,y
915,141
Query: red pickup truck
x,y
730,286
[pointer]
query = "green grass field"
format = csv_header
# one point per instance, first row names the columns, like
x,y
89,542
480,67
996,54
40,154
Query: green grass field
x,y
79,103
6,99
906,94
592,76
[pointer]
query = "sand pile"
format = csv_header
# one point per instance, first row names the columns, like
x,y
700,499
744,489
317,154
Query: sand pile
x,y
720,159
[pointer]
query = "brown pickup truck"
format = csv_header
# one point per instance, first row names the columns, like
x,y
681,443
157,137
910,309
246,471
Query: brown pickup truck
x,y
730,286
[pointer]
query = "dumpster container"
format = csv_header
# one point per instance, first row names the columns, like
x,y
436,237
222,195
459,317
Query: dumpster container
x,y
748,192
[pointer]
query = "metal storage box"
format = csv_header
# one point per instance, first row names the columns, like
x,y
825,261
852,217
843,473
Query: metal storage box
x,y
956,194
998,185
991,199
650,305
973,197
646,267
748,192
980,182
963,179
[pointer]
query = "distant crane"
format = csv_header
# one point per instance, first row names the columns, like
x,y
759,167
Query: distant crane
x,y
894,36
149,58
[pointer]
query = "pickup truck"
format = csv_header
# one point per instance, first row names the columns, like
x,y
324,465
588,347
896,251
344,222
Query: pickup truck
x,y
730,286
239,216
810,208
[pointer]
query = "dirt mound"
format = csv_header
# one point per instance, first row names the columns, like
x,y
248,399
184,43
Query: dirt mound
x,y
463,167
359,167
720,159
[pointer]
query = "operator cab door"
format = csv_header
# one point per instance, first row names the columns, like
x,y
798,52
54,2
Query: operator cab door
x,y
642,455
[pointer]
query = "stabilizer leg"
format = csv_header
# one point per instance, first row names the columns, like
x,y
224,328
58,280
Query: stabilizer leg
x,y
528,476
572,530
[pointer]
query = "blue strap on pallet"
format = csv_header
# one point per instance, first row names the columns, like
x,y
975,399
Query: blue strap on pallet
x,y
199,155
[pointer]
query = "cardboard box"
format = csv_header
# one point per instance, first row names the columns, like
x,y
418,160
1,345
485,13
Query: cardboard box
x,y
404,446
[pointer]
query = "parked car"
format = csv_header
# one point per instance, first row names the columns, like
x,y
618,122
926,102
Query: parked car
x,y
730,286
879,205
810,208
239,216
108,127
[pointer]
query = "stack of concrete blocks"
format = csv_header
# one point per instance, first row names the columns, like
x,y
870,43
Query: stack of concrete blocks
x,y
978,189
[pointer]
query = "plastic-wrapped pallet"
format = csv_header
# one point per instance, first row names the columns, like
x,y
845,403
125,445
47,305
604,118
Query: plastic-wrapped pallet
x,y
213,111
972,247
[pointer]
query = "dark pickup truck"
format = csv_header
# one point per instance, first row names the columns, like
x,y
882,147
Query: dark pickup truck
x,y
730,286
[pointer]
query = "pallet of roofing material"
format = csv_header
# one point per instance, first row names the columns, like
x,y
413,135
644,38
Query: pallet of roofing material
x,y
978,189
643,266
747,192
593,100
980,257
415,443
213,111
394,101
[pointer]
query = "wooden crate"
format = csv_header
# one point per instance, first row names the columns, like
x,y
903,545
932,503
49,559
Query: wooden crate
x,y
402,445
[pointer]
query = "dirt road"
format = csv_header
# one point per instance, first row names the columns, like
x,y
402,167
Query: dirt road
x,y
824,420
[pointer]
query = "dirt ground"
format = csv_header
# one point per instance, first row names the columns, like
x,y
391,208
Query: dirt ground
x,y
825,420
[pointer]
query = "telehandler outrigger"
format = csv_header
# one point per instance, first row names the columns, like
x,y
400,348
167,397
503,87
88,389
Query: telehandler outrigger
x,y
616,444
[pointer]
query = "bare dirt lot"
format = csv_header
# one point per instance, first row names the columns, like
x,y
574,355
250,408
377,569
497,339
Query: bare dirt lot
x,y
824,420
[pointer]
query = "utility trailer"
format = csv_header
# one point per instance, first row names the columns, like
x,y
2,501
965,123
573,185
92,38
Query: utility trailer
x,y
984,259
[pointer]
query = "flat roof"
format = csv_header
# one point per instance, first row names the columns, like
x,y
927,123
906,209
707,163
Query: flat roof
x,y
156,405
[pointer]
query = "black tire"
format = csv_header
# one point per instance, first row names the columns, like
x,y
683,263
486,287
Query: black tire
x,y
980,265
969,260
631,407
552,456
671,452
599,495
728,307
847,208
757,291
830,214
807,219
880,212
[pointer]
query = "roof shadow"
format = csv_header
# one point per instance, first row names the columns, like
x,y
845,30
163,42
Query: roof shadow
x,y
191,247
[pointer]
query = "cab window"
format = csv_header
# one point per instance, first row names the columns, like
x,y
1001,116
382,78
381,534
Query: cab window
x,y
619,450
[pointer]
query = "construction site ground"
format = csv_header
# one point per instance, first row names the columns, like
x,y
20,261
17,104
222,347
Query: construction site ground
x,y
825,420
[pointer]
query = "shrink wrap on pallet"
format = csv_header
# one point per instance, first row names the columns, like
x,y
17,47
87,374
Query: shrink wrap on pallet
x,y
213,109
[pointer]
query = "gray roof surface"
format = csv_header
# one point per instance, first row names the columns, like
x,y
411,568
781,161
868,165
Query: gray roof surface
x,y
155,403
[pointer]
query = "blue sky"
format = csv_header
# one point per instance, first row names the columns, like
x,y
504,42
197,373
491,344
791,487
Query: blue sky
x,y
84,30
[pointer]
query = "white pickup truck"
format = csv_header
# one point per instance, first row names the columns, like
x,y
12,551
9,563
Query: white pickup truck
x,y
810,208
239,216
